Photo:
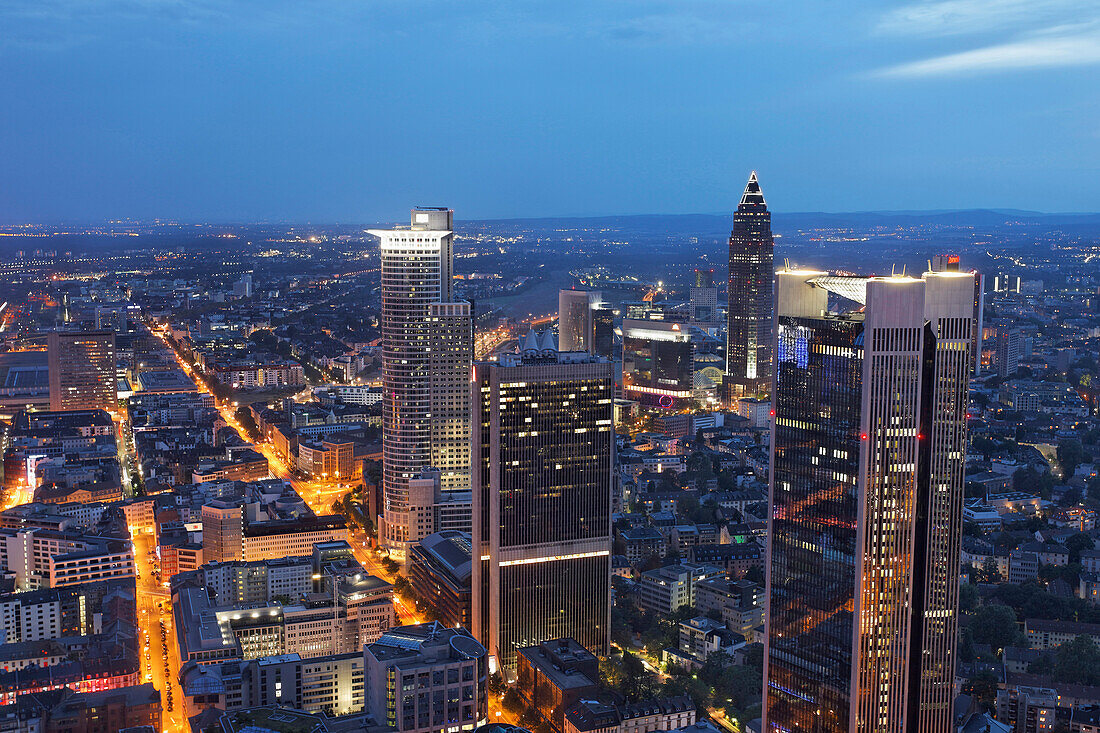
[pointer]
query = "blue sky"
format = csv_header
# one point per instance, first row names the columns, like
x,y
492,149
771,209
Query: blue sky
x,y
353,110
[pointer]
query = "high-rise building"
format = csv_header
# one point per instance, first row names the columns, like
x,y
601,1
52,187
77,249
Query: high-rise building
x,y
704,299
1009,348
576,328
749,331
82,370
658,362
427,342
951,263
542,445
867,474
603,331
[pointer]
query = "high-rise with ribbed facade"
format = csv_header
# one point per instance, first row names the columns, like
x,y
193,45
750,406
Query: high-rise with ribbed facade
x,y
542,451
427,347
749,320
868,455
82,370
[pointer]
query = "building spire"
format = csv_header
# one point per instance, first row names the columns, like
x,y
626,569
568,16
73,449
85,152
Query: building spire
x,y
753,194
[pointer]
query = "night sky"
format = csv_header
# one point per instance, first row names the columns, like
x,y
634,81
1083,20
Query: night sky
x,y
354,110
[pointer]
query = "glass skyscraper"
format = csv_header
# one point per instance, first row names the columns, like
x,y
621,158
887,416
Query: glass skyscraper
x,y
868,453
542,447
749,334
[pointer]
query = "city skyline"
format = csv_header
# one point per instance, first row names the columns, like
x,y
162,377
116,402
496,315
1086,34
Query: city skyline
x,y
621,449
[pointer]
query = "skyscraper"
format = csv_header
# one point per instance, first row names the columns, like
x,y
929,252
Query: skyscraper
x,y
426,354
82,370
576,326
1009,348
658,362
868,454
749,335
542,446
704,299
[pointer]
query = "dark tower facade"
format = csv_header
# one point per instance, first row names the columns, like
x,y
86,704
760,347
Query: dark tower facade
x,y
543,445
748,346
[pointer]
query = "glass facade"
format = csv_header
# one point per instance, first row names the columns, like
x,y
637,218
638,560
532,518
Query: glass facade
x,y
869,448
658,362
603,331
748,351
813,553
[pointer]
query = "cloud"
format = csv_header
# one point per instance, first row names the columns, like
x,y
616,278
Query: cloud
x,y
960,17
1062,46
679,29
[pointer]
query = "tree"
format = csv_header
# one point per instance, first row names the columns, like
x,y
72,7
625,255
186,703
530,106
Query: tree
x,y
1078,661
1029,480
1072,496
755,574
512,701
990,572
968,598
1078,543
244,417
984,445
995,625
983,687
496,683
700,463
1070,455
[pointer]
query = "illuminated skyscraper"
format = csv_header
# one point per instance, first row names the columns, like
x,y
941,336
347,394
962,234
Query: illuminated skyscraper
x,y
82,370
658,362
868,455
576,329
749,335
427,343
542,446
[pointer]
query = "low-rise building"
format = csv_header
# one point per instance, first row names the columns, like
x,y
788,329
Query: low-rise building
x,y
664,590
555,675
439,574
664,714
427,679
1048,634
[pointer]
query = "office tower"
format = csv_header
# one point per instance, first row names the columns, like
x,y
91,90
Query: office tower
x,y
603,331
704,299
243,287
1008,348
426,351
576,328
658,362
452,351
951,263
82,370
749,333
542,445
222,531
868,450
